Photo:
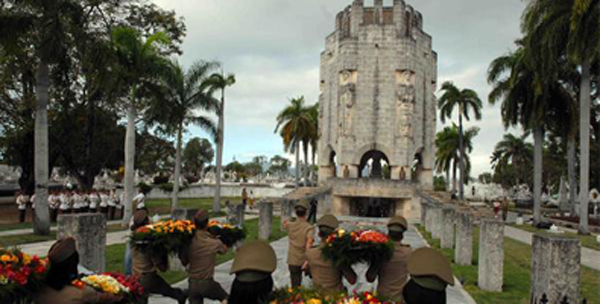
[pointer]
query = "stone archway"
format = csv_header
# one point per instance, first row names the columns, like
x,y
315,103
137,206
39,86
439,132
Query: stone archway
x,y
374,164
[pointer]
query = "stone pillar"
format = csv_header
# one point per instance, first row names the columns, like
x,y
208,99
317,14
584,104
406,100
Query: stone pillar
x,y
463,253
555,268
436,222
89,230
429,217
287,208
184,214
239,214
424,206
265,220
491,255
447,233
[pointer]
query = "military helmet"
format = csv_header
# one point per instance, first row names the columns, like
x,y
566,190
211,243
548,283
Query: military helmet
x,y
328,220
397,223
62,250
427,262
140,216
201,215
302,204
254,261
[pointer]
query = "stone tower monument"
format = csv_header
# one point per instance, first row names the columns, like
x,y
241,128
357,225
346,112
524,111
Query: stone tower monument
x,y
377,106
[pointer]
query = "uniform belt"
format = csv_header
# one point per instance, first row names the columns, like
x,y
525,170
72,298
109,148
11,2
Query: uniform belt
x,y
201,280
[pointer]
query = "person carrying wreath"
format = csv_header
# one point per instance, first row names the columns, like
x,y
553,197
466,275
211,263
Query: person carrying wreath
x,y
201,257
58,287
393,273
253,265
325,275
301,237
430,274
146,266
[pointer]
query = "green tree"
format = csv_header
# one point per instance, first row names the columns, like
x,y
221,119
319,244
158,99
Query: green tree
x,y
485,178
568,29
220,82
515,151
197,154
464,101
294,125
279,165
313,137
447,144
140,68
188,98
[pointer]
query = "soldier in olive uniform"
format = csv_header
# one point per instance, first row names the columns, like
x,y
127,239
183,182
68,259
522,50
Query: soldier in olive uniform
x,y
325,275
201,257
430,274
253,265
63,270
393,274
146,266
301,237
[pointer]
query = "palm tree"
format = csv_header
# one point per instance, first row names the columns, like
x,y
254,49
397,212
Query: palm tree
x,y
447,153
515,151
140,66
313,113
569,28
466,101
220,82
187,96
295,123
50,22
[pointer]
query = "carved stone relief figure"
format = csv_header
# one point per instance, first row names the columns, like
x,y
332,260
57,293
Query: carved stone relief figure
x,y
405,101
348,98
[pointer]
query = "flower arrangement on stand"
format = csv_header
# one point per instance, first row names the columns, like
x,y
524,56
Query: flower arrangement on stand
x,y
312,296
21,275
114,284
346,248
228,234
167,237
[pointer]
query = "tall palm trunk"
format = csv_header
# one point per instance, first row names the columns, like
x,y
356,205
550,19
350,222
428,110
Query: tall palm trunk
x,y
448,179
584,141
129,161
571,158
462,156
221,127
306,165
297,148
454,176
177,173
41,225
538,142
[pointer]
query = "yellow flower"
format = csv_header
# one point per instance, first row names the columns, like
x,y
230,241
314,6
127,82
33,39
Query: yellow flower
x,y
5,258
313,301
341,232
26,259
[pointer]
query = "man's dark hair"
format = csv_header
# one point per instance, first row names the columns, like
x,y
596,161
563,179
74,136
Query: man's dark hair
x,y
134,227
396,236
63,273
325,232
251,292
300,212
201,224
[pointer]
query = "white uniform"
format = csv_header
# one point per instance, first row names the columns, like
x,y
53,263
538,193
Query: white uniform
x,y
53,201
32,200
65,202
104,200
77,201
93,200
85,201
22,201
111,199
140,201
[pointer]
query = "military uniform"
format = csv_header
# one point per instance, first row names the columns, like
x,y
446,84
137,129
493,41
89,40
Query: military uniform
x,y
201,257
146,266
393,274
430,274
299,232
325,275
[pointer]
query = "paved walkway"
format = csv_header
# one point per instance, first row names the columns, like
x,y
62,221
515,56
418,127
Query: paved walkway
x,y
589,257
456,294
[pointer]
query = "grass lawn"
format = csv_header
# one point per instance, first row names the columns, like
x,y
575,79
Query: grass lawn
x,y
588,241
15,226
116,253
517,265
16,240
163,205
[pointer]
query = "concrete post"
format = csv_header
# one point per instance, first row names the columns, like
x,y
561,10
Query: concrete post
x,y
463,254
555,268
239,214
184,214
429,217
491,255
89,230
436,222
424,206
287,208
447,233
265,220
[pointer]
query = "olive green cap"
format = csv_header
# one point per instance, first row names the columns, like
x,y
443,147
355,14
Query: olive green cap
x,y
397,223
201,215
428,262
328,220
302,204
256,256
62,250
139,217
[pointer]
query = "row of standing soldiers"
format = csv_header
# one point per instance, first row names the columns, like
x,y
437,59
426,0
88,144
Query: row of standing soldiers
x,y
429,270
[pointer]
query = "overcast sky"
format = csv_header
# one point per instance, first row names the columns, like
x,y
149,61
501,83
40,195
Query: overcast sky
x,y
273,48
